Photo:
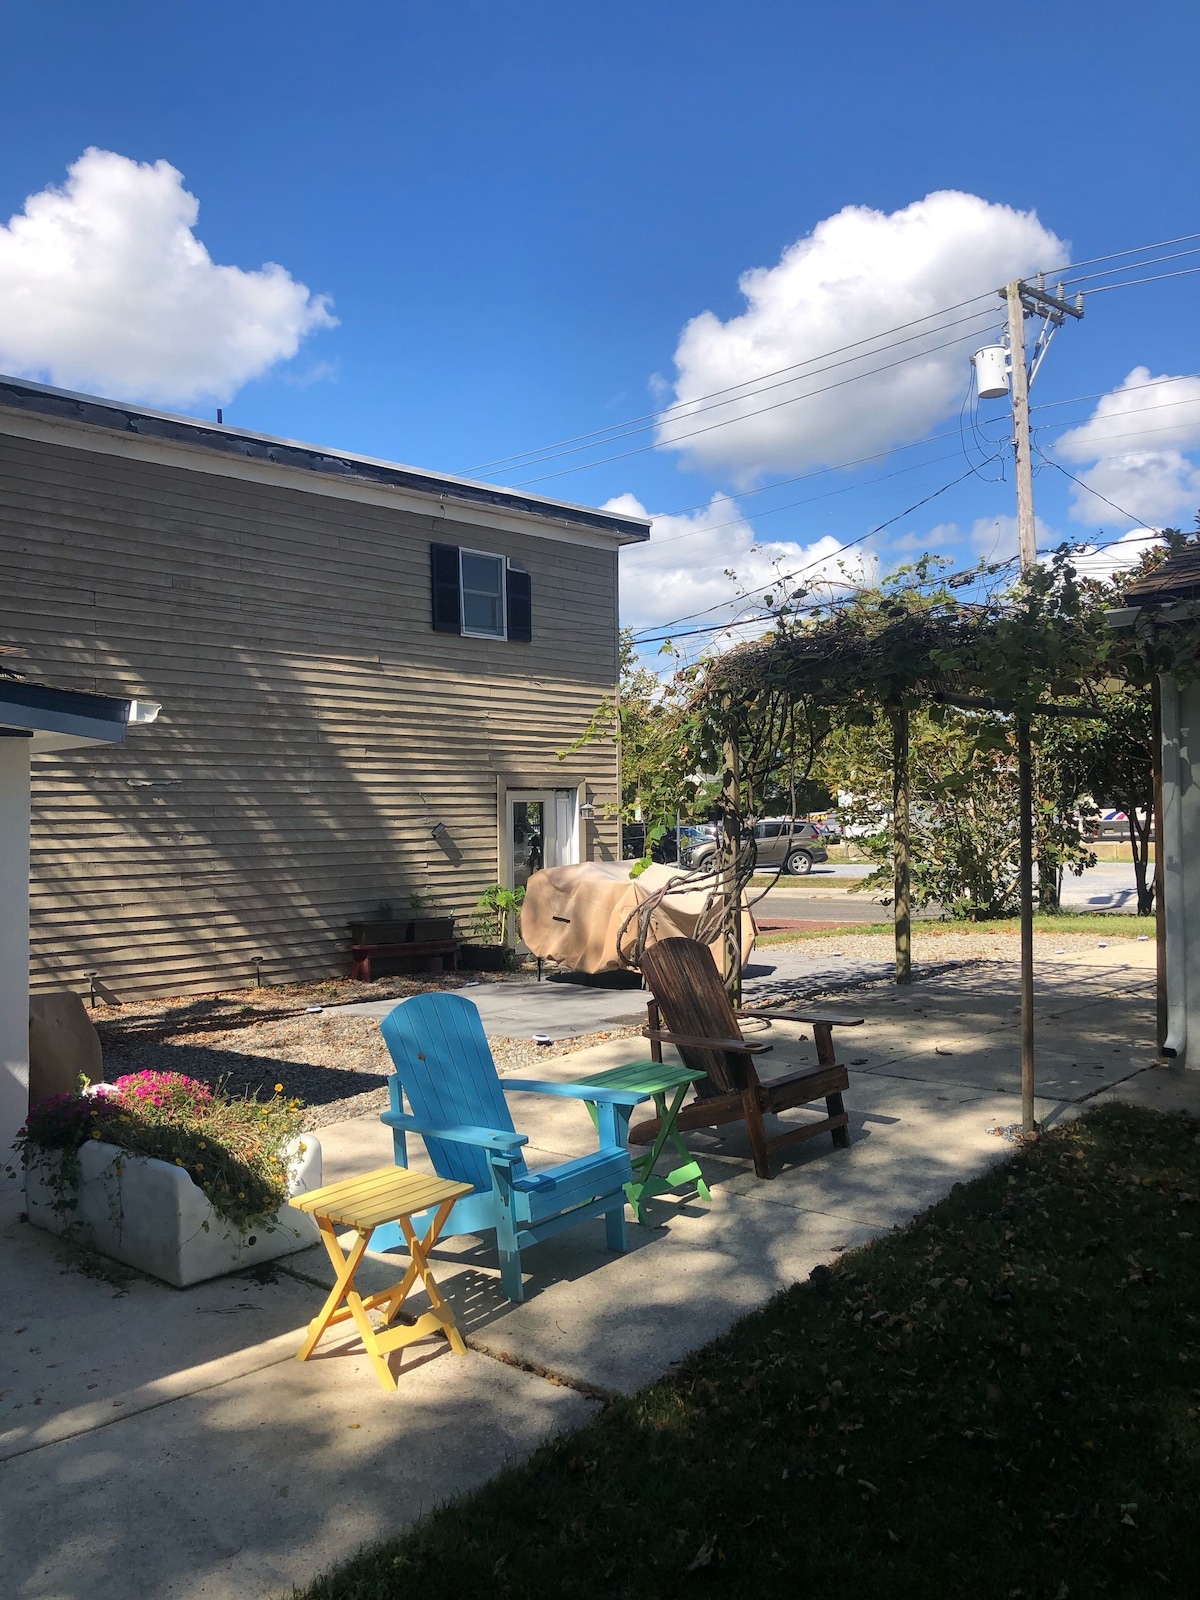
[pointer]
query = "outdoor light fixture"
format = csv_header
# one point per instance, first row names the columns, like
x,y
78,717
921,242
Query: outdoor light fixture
x,y
143,711
587,812
438,829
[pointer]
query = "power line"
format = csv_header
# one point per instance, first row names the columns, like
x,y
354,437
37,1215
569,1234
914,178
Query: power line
x,y
757,412
820,472
792,505
1137,250
776,372
656,419
616,429
1133,266
1159,277
1103,394
1090,490
821,560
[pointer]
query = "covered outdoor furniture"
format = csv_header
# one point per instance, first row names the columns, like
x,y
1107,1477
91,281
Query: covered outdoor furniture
x,y
657,1080
392,1196
574,915
444,1069
692,1011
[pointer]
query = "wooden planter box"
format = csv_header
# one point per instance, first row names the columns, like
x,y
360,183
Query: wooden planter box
x,y
150,1215
484,957
403,930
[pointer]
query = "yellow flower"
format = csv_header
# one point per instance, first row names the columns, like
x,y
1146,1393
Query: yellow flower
x,y
278,1088
95,1133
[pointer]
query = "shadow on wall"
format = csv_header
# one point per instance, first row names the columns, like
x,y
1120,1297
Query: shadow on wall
x,y
275,798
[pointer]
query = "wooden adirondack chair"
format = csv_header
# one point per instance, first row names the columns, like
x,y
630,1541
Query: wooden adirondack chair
x,y
700,1022
444,1068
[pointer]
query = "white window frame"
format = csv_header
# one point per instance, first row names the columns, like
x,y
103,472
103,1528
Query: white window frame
x,y
478,633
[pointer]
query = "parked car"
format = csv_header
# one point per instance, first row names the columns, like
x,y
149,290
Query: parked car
x,y
633,841
792,843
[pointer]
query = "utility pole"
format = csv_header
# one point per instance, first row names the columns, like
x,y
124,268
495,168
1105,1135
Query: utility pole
x,y
1023,300
1030,300
1026,527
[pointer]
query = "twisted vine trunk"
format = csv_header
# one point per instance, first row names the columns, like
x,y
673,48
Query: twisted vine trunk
x,y
728,886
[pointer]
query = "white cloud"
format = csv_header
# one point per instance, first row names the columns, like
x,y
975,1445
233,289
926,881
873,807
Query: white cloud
x,y
686,566
997,538
1137,439
856,275
104,285
1122,556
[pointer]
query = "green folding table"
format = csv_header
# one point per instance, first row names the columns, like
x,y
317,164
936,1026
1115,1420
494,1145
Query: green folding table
x,y
657,1079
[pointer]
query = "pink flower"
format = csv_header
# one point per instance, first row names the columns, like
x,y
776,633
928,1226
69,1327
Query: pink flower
x,y
156,1088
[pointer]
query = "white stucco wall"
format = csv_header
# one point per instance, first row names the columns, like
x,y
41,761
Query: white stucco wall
x,y
14,939
1181,864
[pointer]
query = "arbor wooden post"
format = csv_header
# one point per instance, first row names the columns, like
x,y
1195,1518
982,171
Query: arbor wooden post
x,y
1025,762
1156,838
731,840
901,843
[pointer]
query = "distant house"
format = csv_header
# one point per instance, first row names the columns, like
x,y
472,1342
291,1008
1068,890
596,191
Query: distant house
x,y
1170,595
368,672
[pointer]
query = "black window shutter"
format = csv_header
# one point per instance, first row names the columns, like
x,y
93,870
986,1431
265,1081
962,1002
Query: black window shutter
x,y
443,562
520,605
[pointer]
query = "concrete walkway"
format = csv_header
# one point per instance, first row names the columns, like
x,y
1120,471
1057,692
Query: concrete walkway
x,y
556,1006
164,1443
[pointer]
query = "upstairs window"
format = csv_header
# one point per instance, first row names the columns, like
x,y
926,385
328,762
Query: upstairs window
x,y
482,580
480,595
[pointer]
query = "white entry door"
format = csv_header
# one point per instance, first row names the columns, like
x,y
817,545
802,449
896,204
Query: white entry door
x,y
541,830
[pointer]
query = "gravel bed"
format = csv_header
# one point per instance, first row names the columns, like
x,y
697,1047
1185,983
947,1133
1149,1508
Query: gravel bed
x,y
336,1064
251,1040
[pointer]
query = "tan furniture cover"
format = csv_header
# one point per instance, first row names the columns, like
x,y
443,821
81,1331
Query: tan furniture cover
x,y
574,914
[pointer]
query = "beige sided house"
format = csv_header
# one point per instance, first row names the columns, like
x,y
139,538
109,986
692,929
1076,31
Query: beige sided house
x,y
366,674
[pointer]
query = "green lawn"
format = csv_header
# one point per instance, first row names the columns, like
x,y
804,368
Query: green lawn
x,y
998,1401
1101,924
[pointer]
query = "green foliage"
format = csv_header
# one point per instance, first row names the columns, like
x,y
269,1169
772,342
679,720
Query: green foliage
x,y
659,776
234,1149
997,1400
964,827
495,906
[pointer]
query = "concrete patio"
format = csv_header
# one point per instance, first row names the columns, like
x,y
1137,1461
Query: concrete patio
x,y
164,1443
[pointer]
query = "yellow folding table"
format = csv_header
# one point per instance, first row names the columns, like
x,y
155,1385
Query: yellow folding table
x,y
388,1194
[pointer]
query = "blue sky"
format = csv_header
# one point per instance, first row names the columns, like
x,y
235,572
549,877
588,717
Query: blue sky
x,y
515,210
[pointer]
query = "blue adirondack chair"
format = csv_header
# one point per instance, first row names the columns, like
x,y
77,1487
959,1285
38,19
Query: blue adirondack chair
x,y
445,1069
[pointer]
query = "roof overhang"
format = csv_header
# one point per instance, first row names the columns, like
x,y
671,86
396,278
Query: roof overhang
x,y
1165,611
67,719
34,410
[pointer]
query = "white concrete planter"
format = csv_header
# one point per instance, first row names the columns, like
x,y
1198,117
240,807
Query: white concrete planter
x,y
151,1215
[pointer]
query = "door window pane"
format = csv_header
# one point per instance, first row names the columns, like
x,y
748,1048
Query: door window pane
x,y
483,594
528,840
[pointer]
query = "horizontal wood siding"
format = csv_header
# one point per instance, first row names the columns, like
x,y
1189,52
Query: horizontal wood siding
x,y
314,727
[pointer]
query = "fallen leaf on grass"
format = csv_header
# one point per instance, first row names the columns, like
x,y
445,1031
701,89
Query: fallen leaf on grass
x,y
702,1558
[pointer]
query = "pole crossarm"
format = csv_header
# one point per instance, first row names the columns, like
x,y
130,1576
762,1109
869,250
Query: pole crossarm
x,y
1040,304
